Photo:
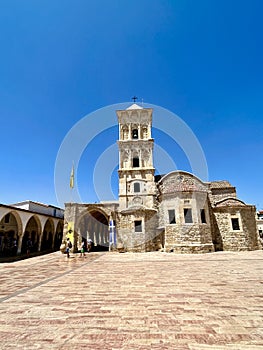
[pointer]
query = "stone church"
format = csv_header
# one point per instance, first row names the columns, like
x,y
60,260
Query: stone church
x,y
176,212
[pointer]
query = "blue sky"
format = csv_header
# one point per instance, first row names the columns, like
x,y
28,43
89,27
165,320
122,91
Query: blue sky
x,y
62,60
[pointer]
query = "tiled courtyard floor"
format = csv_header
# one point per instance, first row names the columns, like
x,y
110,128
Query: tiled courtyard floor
x,y
133,301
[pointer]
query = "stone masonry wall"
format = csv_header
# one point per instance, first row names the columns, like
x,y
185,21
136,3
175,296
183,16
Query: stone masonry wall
x,y
222,193
188,238
137,241
237,240
151,235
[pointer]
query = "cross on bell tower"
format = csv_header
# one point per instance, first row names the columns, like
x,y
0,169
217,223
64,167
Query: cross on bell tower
x,y
134,98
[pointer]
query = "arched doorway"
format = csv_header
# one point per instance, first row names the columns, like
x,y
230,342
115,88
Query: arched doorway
x,y
8,235
94,224
32,232
47,236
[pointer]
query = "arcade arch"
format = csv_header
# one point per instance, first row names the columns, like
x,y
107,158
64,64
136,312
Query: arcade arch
x,y
94,224
18,225
10,231
32,232
47,235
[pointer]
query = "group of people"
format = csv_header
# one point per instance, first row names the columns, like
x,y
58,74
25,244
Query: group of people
x,y
8,246
85,246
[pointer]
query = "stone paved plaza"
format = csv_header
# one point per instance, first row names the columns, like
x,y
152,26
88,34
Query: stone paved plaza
x,y
133,301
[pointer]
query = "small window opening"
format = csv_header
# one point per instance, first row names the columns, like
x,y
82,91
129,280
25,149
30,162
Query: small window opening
x,y
138,225
136,187
135,162
188,216
171,214
203,218
235,224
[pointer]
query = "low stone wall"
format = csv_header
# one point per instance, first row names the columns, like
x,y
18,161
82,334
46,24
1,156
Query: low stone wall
x,y
189,238
192,248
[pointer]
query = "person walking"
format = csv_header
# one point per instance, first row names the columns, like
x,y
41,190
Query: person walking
x,y
89,242
68,247
82,249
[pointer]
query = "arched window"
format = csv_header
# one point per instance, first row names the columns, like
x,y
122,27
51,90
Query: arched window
x,y
136,162
145,132
136,187
125,132
135,133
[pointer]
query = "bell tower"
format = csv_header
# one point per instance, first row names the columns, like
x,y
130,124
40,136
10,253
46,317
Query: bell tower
x,y
136,170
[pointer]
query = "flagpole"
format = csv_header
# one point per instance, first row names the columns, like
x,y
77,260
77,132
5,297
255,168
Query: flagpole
x,y
71,182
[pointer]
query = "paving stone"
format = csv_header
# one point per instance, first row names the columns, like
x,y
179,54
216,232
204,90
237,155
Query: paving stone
x,y
133,301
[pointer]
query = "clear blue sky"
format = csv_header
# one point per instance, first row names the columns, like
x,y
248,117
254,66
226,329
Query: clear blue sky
x,y
61,60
